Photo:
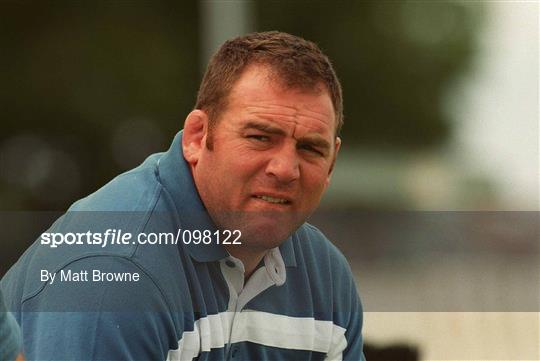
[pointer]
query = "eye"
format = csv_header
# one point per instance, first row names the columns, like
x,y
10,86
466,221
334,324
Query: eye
x,y
310,149
258,137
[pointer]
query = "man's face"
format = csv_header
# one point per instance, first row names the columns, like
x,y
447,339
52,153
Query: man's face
x,y
272,155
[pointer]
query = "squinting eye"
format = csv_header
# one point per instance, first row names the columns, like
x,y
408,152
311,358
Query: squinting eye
x,y
310,149
261,138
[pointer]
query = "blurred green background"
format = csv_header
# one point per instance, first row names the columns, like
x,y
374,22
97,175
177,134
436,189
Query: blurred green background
x,y
90,90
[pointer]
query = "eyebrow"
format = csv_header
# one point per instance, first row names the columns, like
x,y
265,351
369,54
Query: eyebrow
x,y
270,129
316,142
267,128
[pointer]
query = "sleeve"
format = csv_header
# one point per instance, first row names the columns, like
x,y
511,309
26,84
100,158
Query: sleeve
x,y
353,334
10,338
347,340
346,343
98,320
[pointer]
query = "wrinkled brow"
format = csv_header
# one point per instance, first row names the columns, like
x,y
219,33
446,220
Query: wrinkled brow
x,y
263,127
270,129
315,142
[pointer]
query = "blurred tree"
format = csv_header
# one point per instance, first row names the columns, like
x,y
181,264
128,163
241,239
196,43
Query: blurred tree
x,y
395,59
89,90
93,88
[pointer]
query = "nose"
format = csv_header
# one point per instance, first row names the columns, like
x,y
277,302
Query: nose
x,y
284,165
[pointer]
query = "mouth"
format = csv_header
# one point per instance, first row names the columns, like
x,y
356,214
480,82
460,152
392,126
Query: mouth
x,y
272,200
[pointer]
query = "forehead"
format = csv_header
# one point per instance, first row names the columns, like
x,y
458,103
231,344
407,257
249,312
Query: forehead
x,y
260,91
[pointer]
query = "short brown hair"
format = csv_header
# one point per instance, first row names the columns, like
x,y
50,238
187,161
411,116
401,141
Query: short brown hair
x,y
297,62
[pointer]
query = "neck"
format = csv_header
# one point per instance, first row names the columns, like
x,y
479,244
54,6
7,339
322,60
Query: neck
x,y
249,258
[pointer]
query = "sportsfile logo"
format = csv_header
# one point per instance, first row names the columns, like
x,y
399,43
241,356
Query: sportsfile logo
x,y
118,237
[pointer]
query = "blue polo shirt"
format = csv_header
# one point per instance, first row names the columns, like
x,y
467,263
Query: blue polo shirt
x,y
10,337
180,300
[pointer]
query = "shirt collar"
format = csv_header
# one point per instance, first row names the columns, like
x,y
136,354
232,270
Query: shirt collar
x,y
175,175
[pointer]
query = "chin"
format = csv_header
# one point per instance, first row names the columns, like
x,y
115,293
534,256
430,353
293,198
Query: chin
x,y
263,239
268,231
263,229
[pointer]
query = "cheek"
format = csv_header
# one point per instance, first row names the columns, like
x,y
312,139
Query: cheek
x,y
241,171
315,180
250,162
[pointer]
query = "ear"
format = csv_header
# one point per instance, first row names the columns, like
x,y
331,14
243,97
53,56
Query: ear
x,y
336,151
194,136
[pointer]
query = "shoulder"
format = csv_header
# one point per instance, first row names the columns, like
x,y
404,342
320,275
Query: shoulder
x,y
326,266
315,247
123,206
322,265
109,284
134,190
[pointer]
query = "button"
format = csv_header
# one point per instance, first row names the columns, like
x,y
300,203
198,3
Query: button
x,y
230,263
234,351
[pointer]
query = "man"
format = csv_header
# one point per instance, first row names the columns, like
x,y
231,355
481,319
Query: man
x,y
250,165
